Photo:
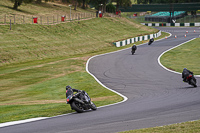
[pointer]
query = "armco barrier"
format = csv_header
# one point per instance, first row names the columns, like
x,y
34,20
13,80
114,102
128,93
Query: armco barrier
x,y
171,24
135,39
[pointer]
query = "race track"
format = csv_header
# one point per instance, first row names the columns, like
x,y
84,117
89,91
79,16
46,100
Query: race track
x,y
156,96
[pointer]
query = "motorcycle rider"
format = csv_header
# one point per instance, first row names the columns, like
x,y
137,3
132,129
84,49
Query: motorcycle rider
x,y
134,47
150,41
70,90
185,74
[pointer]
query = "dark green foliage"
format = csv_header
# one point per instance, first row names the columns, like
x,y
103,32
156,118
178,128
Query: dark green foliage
x,y
17,3
110,8
164,1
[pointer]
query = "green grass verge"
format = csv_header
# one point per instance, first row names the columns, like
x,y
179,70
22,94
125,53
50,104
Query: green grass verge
x,y
186,127
40,85
38,61
184,56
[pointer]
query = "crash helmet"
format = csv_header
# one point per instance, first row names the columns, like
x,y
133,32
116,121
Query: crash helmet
x,y
68,87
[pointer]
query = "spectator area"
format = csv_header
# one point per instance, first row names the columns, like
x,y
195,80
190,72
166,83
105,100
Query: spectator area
x,y
165,16
176,13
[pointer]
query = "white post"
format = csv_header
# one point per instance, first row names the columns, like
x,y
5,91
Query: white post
x,y
70,12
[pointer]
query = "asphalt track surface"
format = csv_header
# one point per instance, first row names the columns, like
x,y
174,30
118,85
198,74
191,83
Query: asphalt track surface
x,y
156,96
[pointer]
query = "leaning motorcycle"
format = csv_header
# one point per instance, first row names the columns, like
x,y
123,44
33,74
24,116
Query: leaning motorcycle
x,y
150,41
191,80
80,102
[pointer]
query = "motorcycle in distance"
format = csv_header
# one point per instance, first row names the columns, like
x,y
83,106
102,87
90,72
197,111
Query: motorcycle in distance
x,y
133,49
132,52
80,102
150,41
191,80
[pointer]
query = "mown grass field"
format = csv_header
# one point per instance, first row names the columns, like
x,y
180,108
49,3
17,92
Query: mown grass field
x,y
37,9
38,61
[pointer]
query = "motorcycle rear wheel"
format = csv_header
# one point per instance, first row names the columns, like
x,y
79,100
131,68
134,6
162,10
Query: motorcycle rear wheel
x,y
77,107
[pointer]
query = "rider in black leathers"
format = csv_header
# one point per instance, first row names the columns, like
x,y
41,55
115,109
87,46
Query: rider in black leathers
x,y
70,90
151,41
185,74
134,47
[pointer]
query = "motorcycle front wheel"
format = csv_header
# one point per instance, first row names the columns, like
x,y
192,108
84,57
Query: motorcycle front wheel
x,y
77,107
93,106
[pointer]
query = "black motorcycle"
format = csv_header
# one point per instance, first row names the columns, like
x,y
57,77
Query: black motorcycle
x,y
132,52
191,80
133,49
80,102
151,41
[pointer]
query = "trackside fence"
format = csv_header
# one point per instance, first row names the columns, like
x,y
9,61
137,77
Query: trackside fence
x,y
44,20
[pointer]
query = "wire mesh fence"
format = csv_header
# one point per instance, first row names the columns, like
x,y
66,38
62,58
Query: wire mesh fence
x,y
44,20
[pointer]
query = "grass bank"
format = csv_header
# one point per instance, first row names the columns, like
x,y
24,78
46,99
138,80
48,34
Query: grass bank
x,y
45,8
39,42
38,61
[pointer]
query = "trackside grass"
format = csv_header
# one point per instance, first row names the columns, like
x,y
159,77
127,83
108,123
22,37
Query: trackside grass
x,y
186,127
184,56
37,82
38,61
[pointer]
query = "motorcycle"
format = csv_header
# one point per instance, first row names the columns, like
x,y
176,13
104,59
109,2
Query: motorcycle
x,y
151,41
132,51
191,80
80,102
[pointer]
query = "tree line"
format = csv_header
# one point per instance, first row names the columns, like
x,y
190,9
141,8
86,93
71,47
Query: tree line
x,y
97,3
83,3
164,1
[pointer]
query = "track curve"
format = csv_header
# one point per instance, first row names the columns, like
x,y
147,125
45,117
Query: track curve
x,y
156,97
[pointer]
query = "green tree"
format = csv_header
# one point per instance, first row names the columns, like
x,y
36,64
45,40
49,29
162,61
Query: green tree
x,y
124,3
17,3
38,1
99,4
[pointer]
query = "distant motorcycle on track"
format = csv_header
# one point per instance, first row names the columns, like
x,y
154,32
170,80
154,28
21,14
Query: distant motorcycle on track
x,y
150,41
188,77
133,49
